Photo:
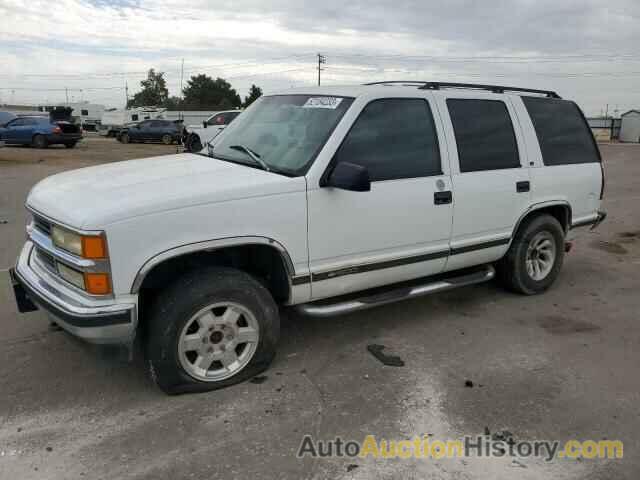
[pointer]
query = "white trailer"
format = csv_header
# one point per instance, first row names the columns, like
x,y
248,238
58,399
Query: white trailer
x,y
114,119
89,115
188,118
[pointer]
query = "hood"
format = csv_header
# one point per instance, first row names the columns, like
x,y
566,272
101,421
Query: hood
x,y
93,197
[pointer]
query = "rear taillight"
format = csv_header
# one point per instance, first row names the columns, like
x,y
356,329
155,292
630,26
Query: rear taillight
x,y
57,129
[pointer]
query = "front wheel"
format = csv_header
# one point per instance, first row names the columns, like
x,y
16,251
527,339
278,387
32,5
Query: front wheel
x,y
211,329
535,256
167,139
124,138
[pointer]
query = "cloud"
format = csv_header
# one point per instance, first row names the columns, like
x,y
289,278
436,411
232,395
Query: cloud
x,y
575,47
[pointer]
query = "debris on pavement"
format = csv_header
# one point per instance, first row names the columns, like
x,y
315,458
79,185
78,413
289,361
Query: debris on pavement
x,y
468,384
351,466
388,360
259,379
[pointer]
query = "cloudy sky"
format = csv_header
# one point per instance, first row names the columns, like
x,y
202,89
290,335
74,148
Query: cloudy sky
x,y
586,50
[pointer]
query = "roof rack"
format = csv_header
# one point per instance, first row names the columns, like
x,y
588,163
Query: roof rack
x,y
475,86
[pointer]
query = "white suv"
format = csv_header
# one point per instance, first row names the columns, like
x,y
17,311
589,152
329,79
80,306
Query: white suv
x,y
196,137
331,199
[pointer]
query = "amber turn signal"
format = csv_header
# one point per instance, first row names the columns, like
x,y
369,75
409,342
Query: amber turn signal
x,y
97,283
93,247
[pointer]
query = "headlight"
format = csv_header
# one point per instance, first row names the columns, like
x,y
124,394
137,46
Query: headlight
x,y
86,246
69,241
70,275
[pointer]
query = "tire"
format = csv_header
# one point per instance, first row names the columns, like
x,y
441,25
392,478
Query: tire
x,y
193,143
167,139
39,141
189,318
124,138
539,242
70,144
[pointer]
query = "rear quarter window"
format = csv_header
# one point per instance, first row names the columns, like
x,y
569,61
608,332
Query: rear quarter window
x,y
562,131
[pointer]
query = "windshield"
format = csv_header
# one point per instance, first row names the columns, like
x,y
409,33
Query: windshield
x,y
285,132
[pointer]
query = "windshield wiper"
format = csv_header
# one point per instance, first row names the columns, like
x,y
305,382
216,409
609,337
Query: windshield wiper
x,y
254,156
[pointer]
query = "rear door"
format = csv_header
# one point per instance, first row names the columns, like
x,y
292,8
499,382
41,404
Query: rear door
x,y
155,130
490,175
141,132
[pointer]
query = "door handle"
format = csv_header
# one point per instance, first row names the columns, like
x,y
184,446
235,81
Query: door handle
x,y
442,198
522,187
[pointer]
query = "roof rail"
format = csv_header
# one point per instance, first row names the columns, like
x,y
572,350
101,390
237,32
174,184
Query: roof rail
x,y
475,86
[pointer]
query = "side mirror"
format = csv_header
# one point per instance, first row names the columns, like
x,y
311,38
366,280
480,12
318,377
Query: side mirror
x,y
204,124
349,176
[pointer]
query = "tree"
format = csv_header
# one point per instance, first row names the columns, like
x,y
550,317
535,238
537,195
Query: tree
x,y
154,91
254,93
203,92
172,103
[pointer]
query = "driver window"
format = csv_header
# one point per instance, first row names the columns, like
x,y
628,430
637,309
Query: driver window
x,y
393,138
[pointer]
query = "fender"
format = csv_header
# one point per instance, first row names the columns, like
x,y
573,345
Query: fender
x,y
539,206
210,245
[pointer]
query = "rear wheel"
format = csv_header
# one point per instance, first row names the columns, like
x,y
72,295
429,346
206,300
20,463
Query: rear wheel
x,y
535,256
211,329
167,139
40,141
70,144
124,138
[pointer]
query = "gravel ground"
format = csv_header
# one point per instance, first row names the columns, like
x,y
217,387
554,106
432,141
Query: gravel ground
x,y
563,365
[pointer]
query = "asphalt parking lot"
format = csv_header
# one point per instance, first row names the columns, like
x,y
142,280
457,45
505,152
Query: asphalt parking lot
x,y
560,366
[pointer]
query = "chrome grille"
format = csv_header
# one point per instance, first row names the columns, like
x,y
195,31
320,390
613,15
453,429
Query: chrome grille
x,y
46,260
41,224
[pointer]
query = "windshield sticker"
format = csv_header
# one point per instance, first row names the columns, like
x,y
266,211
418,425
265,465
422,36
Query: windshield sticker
x,y
323,102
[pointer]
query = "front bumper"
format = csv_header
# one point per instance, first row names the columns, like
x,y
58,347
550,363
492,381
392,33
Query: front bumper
x,y
94,320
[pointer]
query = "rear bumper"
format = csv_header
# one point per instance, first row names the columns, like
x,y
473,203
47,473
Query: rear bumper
x,y
64,137
96,321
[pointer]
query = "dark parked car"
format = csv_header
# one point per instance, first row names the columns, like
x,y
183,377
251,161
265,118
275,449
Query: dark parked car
x,y
40,132
164,131
5,117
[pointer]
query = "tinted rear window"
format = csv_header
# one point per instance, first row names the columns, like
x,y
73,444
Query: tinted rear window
x,y
484,134
562,131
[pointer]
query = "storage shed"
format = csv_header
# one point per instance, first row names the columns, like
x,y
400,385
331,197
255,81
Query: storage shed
x,y
630,128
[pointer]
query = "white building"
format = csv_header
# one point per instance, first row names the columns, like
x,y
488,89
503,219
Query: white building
x,y
630,128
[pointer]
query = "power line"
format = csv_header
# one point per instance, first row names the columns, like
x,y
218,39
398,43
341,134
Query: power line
x,y
144,72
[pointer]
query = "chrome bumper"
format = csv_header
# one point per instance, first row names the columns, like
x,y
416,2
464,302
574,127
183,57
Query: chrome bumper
x,y
94,320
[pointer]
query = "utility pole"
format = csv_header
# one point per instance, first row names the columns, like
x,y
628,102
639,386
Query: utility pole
x,y
321,60
181,94
126,94
66,94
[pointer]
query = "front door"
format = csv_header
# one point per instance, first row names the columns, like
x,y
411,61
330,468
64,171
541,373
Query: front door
x,y
15,130
400,229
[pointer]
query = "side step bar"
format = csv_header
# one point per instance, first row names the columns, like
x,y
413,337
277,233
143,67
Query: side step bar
x,y
391,296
